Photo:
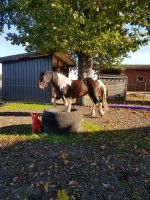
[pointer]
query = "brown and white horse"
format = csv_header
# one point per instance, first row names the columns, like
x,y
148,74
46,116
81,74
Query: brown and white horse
x,y
68,89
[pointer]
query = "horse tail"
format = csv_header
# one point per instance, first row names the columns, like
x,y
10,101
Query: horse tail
x,y
104,101
104,95
92,92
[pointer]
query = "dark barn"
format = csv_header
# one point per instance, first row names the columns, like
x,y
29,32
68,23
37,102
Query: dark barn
x,y
20,75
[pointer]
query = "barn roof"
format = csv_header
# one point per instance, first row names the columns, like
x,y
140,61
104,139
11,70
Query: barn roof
x,y
138,67
63,56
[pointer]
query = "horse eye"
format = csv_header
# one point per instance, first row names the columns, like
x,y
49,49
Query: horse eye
x,y
41,78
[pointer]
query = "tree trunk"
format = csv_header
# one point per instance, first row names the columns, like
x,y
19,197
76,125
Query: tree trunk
x,y
85,66
81,68
89,66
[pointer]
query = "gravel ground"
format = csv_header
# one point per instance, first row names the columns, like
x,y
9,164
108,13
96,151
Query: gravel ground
x,y
112,164
114,119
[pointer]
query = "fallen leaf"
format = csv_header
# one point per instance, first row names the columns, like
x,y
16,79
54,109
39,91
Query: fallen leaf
x,y
73,182
46,187
31,166
15,179
64,158
104,146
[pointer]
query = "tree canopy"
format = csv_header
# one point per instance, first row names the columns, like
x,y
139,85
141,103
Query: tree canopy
x,y
109,29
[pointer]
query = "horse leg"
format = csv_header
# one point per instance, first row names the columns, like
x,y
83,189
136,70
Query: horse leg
x,y
69,105
54,101
101,112
65,101
93,109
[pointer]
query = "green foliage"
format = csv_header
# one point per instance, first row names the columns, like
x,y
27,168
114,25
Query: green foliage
x,y
109,29
1,16
112,70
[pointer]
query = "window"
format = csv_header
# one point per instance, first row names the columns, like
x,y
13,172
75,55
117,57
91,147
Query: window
x,y
140,79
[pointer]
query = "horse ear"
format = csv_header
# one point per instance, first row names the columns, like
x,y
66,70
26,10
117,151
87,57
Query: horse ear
x,y
42,72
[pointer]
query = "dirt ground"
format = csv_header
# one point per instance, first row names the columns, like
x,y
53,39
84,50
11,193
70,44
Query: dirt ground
x,y
117,119
113,119
110,165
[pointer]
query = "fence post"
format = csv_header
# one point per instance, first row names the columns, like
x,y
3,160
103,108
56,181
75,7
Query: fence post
x,y
145,88
125,93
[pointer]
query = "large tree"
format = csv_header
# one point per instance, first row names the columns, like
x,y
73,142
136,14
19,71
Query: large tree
x,y
108,29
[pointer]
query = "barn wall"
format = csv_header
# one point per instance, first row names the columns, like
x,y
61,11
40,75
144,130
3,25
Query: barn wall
x,y
133,84
20,80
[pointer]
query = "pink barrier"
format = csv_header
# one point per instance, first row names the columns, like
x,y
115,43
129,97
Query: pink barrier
x,y
129,106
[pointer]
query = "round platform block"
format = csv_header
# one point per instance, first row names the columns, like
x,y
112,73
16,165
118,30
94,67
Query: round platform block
x,y
57,120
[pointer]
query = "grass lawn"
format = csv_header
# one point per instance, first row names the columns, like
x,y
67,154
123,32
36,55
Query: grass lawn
x,y
25,132
98,163
22,107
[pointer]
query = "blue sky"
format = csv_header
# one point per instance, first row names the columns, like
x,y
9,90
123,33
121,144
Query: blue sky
x,y
142,56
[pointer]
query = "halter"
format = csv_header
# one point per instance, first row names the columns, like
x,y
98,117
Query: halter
x,y
47,78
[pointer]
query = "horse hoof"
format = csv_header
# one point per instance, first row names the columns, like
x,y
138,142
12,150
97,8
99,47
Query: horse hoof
x,y
93,114
101,114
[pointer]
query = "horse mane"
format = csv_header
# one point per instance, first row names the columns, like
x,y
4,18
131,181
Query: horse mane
x,y
61,75
62,80
41,75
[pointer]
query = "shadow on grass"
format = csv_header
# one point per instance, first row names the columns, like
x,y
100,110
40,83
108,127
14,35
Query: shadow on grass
x,y
23,129
94,166
26,130
16,114
94,135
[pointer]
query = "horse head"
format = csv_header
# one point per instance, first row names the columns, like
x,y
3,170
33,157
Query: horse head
x,y
44,79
